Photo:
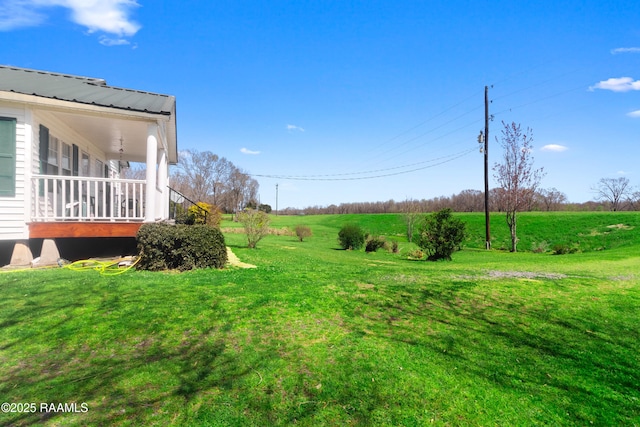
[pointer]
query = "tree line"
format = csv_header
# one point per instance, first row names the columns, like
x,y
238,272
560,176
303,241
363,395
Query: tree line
x,y
544,199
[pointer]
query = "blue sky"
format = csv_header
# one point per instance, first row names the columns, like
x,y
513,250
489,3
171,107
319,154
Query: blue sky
x,y
365,100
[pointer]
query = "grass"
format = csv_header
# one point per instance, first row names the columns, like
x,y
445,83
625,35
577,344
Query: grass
x,y
319,336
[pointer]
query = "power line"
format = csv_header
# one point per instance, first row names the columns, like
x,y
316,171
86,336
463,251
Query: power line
x,y
338,177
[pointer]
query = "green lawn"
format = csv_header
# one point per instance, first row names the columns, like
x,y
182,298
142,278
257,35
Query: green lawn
x,y
319,336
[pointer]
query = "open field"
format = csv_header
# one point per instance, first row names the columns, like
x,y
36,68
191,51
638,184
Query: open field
x,y
319,336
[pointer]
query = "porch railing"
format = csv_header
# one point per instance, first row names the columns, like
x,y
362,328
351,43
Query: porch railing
x,y
59,198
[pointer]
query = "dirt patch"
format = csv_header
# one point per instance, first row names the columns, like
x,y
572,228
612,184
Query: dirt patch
x,y
524,275
496,274
620,226
234,261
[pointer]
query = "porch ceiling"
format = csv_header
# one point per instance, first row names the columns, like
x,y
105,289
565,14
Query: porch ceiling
x,y
106,134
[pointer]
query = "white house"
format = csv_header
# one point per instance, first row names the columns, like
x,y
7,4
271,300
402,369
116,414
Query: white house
x,y
63,142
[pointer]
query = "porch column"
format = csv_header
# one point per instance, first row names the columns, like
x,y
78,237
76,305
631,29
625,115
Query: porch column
x,y
162,201
152,165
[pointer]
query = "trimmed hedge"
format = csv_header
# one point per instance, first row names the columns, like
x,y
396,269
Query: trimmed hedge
x,y
180,247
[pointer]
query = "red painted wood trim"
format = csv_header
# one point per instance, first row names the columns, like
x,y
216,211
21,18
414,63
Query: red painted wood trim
x,y
52,230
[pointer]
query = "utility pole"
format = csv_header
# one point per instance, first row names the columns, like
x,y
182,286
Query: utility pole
x,y
276,199
486,168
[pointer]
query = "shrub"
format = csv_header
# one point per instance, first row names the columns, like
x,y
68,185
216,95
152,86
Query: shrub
x,y
540,247
256,225
374,243
415,254
563,249
180,247
204,213
303,231
441,235
351,236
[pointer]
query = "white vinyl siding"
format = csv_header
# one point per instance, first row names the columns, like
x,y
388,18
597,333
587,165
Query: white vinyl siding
x,y
12,205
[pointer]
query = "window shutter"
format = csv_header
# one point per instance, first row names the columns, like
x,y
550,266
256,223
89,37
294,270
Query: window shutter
x,y
75,160
44,148
7,157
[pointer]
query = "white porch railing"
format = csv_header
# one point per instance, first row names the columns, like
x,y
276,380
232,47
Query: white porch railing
x,y
59,198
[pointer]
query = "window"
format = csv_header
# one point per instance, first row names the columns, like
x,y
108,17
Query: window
x,y
85,165
98,171
7,157
52,156
65,162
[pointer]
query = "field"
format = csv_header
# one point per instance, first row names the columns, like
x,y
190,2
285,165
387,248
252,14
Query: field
x,y
318,336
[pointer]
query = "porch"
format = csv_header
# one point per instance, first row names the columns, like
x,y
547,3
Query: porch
x,y
73,198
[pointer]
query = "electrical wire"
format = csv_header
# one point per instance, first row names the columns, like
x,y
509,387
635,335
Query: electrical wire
x,y
338,177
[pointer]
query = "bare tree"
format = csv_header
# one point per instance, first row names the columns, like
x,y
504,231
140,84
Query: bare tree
x,y
515,175
206,177
194,175
613,190
134,171
412,214
551,198
634,201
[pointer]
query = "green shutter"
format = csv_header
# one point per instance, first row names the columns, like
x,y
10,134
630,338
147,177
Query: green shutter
x,y
74,160
7,157
44,148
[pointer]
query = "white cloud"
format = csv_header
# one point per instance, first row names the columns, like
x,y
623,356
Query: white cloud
x,y
17,14
621,84
634,113
555,148
109,16
107,41
625,50
247,151
294,127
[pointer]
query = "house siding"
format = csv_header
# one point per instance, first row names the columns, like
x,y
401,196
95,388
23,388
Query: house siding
x,y
12,224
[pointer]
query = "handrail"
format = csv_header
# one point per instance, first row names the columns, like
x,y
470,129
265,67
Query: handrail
x,y
173,213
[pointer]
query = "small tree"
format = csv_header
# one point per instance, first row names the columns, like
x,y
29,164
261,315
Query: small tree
x,y
303,231
516,176
411,212
351,236
256,225
441,235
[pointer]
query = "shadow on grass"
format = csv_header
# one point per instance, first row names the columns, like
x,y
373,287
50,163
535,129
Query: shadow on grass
x,y
112,348
587,356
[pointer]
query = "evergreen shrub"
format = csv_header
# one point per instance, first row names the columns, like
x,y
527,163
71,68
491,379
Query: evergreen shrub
x,y
441,235
351,236
180,247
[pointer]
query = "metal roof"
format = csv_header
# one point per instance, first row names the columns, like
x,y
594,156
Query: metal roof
x,y
83,90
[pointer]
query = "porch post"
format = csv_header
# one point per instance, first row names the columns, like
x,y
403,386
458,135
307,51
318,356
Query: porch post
x,y
152,162
163,200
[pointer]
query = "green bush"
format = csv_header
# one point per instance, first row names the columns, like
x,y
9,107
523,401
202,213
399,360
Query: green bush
x,y
351,236
180,247
256,225
374,243
441,235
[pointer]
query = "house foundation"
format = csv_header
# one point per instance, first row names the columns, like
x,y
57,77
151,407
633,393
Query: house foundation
x,y
21,255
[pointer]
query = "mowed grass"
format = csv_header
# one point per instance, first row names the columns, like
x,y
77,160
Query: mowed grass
x,y
319,336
